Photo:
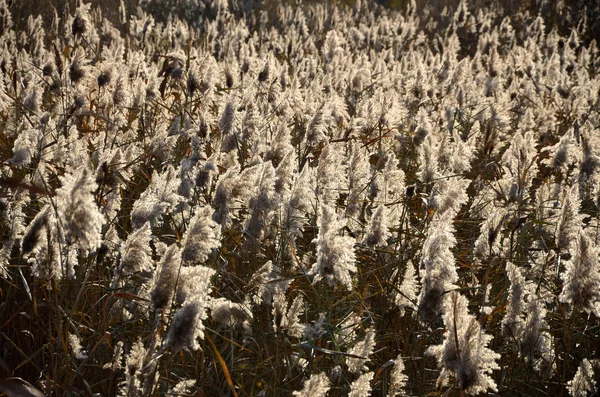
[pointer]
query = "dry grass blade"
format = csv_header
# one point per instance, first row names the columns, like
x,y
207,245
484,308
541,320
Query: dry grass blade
x,y
222,364
17,387
309,346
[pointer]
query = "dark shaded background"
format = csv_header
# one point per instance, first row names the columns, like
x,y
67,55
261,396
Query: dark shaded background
x,y
562,15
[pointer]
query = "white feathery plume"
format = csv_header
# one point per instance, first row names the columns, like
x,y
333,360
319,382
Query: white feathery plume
x,y
233,187
398,378
361,387
489,240
562,155
519,166
230,314
316,386
136,254
448,195
331,174
158,199
193,283
165,278
536,343
406,296
77,210
76,348
187,326
358,180
438,274
202,236
26,147
512,323
286,317
378,231
266,281
428,156
299,203
182,388
361,352
583,382
570,220
464,353
589,159
335,252
134,376
581,278
262,203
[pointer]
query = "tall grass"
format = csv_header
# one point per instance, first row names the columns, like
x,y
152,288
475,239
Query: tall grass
x,y
234,198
